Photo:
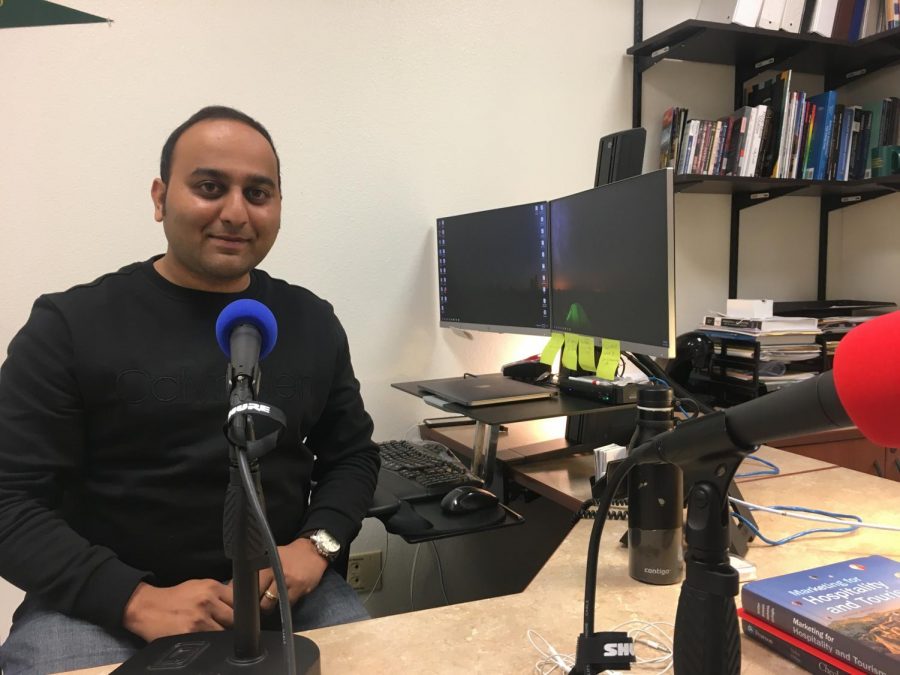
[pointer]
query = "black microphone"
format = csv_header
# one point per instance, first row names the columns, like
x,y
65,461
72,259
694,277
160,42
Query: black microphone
x,y
806,407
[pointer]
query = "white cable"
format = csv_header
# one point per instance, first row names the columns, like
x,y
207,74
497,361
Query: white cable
x,y
552,660
387,541
437,559
656,639
417,438
412,576
818,519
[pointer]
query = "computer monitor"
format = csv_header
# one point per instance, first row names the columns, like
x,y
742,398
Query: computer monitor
x,y
613,260
494,270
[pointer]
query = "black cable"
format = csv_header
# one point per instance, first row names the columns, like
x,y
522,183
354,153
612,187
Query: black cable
x,y
651,368
603,505
585,512
682,401
284,602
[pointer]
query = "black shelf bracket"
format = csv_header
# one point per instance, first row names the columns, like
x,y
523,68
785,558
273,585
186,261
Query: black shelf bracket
x,y
744,200
840,78
827,204
835,202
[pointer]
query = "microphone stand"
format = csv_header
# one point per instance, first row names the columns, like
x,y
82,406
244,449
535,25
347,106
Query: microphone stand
x,y
707,639
249,544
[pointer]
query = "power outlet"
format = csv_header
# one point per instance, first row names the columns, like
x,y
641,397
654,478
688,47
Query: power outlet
x,y
364,571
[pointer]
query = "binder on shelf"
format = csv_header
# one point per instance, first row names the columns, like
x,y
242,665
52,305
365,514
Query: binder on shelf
x,y
822,20
857,19
792,16
770,15
842,18
717,11
873,18
746,12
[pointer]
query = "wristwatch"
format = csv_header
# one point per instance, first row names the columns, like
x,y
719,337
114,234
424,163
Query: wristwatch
x,y
327,546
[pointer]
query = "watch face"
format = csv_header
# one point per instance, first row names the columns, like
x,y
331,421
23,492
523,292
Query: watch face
x,y
327,545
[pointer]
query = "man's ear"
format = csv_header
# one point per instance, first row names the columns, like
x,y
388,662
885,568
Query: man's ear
x,y
158,194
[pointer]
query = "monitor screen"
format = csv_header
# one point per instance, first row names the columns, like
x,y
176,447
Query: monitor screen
x,y
494,270
613,260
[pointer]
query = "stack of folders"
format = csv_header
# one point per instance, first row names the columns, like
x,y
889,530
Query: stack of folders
x,y
834,328
787,347
780,133
839,19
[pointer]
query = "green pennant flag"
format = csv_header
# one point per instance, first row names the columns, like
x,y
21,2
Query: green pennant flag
x,y
23,13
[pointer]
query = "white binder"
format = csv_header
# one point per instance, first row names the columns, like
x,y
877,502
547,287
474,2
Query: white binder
x,y
746,12
717,11
823,17
770,16
793,15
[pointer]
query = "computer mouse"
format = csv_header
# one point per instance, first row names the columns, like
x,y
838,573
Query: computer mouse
x,y
467,498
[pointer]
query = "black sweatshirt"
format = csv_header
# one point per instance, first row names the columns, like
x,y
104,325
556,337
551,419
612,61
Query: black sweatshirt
x,y
113,463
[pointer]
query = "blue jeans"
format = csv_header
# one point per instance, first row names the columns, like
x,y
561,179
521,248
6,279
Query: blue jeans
x,y
44,641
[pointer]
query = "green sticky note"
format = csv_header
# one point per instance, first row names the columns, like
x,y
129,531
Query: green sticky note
x,y
551,349
586,353
570,352
609,359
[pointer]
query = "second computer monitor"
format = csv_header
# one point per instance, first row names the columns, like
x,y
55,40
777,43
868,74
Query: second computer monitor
x,y
613,260
494,270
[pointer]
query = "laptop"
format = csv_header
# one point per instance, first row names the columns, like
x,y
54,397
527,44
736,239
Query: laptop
x,y
486,390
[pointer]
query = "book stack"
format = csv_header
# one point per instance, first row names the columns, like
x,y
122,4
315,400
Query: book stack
x,y
839,19
834,328
840,618
785,134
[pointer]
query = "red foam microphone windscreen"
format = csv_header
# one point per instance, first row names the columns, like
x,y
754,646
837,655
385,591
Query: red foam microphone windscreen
x,y
867,378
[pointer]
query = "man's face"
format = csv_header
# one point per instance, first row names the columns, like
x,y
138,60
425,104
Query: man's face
x,y
221,209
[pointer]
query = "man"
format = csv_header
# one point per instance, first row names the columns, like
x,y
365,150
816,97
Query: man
x,y
113,465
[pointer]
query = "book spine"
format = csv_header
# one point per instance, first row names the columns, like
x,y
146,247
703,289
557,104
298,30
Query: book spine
x,y
732,143
701,145
687,143
811,663
854,652
716,153
797,137
766,158
834,144
755,139
808,169
677,134
863,147
821,166
784,133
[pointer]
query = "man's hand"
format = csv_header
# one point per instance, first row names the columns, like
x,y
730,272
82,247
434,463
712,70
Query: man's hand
x,y
191,607
303,569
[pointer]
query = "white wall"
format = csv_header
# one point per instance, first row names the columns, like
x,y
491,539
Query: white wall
x,y
387,114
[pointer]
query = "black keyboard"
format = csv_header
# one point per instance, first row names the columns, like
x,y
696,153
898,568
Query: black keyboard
x,y
414,471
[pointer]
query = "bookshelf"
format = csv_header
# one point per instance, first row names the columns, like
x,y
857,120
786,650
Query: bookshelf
x,y
753,51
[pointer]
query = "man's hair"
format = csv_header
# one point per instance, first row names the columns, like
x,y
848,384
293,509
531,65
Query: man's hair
x,y
212,112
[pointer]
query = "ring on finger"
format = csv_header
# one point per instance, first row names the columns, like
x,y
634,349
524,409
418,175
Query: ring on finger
x,y
271,596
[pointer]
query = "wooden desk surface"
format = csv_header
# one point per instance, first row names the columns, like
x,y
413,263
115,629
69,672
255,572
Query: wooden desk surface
x,y
490,635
